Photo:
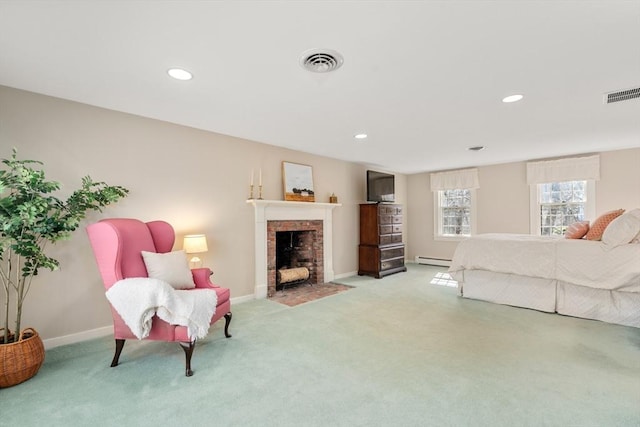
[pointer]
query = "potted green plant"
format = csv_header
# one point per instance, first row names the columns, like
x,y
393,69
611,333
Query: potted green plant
x,y
31,217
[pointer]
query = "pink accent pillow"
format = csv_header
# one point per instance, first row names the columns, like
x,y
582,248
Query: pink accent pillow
x,y
577,230
597,228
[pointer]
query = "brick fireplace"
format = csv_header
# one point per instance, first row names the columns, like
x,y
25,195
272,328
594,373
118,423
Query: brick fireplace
x,y
275,215
304,242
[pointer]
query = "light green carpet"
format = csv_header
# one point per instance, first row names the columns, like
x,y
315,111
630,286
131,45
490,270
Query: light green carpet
x,y
391,352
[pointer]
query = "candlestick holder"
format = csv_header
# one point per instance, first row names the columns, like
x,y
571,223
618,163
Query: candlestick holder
x,y
250,192
260,192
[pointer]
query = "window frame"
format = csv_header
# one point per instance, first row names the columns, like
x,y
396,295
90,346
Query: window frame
x,y
437,217
534,204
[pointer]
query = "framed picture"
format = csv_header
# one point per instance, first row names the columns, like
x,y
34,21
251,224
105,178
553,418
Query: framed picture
x,y
298,182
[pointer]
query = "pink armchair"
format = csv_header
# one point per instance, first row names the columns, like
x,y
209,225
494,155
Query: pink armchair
x,y
117,245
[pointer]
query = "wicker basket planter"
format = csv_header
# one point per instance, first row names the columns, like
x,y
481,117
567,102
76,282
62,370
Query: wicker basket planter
x,y
22,359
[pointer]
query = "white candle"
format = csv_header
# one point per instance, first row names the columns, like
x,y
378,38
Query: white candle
x,y
251,176
260,176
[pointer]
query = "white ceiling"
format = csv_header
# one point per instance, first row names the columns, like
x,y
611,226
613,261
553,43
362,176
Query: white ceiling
x,y
424,79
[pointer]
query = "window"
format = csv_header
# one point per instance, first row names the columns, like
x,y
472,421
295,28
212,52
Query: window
x,y
455,213
454,195
562,192
556,205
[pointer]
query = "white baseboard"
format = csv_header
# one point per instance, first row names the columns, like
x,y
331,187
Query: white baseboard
x,y
433,261
78,337
244,298
343,275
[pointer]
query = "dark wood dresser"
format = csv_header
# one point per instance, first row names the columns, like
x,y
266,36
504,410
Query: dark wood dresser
x,y
381,251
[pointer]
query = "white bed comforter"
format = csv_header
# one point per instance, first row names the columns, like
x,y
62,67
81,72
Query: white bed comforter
x,y
581,262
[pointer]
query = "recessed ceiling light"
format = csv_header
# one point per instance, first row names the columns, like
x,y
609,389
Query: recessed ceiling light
x,y
180,74
512,98
476,148
360,136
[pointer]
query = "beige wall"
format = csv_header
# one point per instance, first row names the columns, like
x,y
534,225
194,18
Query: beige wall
x,y
196,180
503,200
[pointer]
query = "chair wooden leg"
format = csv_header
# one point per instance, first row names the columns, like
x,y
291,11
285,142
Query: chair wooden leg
x,y
116,356
227,320
188,352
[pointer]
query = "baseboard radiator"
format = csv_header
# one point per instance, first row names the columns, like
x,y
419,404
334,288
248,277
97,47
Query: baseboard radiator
x,y
433,261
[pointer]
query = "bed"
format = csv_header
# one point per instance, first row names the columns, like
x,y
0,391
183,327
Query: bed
x,y
576,277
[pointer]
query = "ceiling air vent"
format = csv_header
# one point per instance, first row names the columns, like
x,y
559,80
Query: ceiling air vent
x,y
621,95
321,60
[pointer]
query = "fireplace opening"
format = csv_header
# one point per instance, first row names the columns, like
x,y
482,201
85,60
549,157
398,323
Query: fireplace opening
x,y
294,244
295,258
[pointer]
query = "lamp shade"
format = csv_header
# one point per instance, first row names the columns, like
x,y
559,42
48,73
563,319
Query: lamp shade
x,y
195,244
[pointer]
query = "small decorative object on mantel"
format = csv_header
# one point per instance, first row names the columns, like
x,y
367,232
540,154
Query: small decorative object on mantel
x,y
333,198
298,182
251,187
259,186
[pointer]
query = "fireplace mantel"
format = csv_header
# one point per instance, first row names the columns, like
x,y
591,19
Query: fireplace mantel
x,y
278,210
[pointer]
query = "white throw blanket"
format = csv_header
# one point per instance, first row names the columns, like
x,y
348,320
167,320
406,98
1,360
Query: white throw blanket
x,y
137,299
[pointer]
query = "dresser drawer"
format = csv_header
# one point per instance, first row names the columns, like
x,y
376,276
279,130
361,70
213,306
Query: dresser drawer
x,y
390,219
388,239
396,228
390,210
389,253
386,219
386,209
386,229
392,263
385,239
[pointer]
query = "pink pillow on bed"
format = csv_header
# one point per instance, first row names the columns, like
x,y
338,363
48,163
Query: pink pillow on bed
x,y
577,230
597,228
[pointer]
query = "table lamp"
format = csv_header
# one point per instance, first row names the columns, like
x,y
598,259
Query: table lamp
x,y
195,244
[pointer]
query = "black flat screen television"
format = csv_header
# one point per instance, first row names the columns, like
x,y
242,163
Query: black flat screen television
x,y
380,187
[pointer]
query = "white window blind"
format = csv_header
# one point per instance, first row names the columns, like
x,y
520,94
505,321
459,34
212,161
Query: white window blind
x,y
452,180
571,169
